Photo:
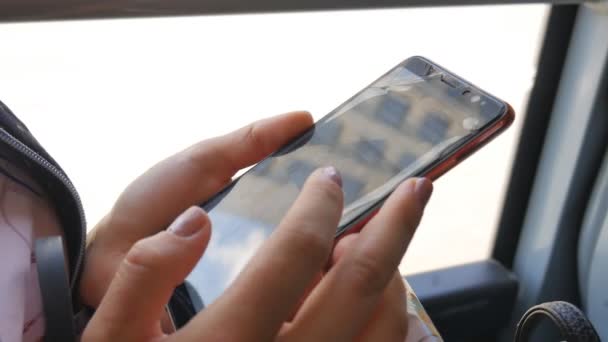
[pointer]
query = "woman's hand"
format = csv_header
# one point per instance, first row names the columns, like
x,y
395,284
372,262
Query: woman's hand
x,y
188,178
360,297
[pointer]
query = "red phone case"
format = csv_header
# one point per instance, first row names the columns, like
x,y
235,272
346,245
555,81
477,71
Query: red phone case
x,y
440,169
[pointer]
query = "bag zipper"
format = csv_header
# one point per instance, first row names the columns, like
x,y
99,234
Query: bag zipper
x,y
52,170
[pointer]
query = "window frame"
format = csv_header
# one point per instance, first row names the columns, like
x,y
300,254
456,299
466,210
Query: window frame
x,y
30,10
560,24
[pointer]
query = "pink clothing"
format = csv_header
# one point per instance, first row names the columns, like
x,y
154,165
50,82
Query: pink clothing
x,y
25,215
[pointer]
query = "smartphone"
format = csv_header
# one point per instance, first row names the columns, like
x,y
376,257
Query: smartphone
x,y
417,120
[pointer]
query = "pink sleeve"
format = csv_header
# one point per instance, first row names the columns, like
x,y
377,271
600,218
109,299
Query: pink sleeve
x,y
24,215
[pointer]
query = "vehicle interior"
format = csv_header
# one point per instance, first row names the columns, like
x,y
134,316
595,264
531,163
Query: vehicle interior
x,y
550,240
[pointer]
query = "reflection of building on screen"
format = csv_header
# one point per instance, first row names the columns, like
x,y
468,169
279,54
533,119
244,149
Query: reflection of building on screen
x,y
369,142
373,141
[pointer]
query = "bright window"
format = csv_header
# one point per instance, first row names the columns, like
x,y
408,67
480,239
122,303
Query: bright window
x,y
109,98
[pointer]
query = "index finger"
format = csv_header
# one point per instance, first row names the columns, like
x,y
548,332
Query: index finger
x,y
190,177
270,286
151,202
343,302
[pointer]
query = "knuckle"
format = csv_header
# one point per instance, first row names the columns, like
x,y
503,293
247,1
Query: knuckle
x,y
253,137
189,161
141,259
306,240
196,157
366,274
206,156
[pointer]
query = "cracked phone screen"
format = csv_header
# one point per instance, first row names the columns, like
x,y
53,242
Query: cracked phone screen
x,y
398,127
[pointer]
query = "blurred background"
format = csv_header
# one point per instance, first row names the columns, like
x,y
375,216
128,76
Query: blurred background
x,y
109,98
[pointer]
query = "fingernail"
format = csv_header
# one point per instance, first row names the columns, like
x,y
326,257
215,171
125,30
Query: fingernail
x,y
188,223
333,174
423,189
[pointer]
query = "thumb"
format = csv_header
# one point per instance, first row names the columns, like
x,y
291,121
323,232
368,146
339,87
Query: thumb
x,y
142,286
